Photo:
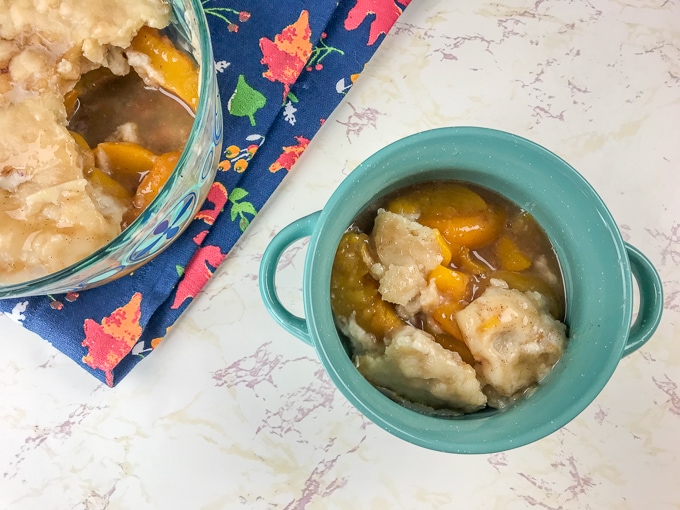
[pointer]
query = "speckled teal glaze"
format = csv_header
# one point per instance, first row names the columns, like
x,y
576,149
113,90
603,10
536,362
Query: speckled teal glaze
x,y
598,269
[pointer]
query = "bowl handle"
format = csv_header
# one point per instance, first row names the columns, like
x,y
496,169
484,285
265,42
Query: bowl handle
x,y
270,259
651,300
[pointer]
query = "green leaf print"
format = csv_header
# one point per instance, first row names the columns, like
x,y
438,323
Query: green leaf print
x,y
237,194
245,100
240,208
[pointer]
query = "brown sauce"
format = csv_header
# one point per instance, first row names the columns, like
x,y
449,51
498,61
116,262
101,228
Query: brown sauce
x,y
163,121
419,258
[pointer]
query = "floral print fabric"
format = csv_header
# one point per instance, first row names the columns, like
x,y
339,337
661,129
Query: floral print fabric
x,y
282,67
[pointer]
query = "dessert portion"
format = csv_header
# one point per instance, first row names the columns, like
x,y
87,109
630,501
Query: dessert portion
x,y
451,297
96,105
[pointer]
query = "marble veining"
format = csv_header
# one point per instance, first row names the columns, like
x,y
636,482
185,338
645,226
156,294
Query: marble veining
x,y
233,412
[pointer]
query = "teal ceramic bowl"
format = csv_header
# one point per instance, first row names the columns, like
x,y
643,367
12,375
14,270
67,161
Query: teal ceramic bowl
x,y
598,269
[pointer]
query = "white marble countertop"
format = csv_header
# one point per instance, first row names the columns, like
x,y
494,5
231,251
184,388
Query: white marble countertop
x,y
233,412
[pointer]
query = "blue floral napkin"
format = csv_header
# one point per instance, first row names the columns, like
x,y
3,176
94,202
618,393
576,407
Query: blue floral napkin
x,y
282,68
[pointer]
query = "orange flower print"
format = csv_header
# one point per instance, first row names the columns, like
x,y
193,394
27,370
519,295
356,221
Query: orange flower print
x,y
217,196
386,13
156,341
290,155
197,273
286,55
109,342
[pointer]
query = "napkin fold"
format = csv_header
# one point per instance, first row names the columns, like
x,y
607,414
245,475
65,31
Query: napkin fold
x,y
282,68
